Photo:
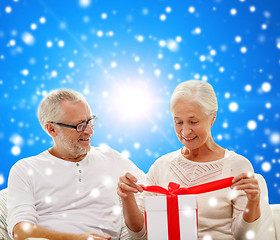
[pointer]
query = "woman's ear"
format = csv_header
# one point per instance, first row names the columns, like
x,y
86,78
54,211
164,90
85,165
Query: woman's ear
x,y
213,118
51,130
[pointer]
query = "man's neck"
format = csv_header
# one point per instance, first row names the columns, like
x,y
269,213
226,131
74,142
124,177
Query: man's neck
x,y
69,158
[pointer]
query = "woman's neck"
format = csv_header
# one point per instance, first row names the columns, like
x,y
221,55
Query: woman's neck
x,y
204,154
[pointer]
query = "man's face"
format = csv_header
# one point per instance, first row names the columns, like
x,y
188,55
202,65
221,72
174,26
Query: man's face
x,y
68,140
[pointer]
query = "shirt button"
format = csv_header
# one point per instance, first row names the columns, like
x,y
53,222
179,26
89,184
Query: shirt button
x,y
77,164
80,171
80,179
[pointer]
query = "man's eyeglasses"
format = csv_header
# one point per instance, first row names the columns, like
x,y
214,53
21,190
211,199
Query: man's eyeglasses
x,y
81,126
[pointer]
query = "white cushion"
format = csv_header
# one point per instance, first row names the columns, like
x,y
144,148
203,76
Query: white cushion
x,y
264,199
3,215
276,218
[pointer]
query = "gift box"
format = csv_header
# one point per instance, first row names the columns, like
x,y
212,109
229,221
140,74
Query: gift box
x,y
157,218
174,216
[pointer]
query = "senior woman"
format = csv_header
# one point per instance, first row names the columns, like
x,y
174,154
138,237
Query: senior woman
x,y
224,214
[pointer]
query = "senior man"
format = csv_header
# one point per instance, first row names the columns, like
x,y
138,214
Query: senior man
x,y
69,190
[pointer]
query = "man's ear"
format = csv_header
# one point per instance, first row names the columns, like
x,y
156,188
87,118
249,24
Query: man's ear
x,y
51,130
213,118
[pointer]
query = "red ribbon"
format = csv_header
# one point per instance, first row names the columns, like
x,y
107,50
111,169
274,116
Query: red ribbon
x,y
172,200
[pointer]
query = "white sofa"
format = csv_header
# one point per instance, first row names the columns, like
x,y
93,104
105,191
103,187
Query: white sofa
x,y
274,207
276,219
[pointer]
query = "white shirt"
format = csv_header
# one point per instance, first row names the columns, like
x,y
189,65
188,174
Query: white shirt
x,y
69,197
219,212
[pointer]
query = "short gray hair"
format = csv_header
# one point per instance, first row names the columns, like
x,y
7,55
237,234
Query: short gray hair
x,y
50,110
199,92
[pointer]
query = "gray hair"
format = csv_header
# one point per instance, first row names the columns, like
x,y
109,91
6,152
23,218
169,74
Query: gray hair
x,y
199,92
50,108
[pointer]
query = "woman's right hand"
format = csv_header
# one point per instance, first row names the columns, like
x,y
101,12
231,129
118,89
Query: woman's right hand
x,y
128,185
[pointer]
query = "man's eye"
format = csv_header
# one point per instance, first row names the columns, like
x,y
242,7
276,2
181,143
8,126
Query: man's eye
x,y
178,122
194,122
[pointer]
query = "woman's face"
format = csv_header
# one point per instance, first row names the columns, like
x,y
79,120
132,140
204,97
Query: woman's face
x,y
192,125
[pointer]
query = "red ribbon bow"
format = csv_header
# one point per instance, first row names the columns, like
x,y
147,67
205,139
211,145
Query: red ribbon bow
x,y
172,200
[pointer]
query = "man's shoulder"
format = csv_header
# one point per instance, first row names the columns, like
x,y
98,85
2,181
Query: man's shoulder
x,y
112,158
101,150
32,159
107,151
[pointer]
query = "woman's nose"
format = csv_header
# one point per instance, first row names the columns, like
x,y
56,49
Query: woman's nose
x,y
186,131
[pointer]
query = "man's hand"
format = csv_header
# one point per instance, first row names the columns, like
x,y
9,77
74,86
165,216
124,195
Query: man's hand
x,y
92,236
25,230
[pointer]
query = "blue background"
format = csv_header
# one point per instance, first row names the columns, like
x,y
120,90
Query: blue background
x,y
107,49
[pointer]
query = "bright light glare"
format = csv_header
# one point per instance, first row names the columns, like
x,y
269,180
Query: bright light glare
x,y
133,101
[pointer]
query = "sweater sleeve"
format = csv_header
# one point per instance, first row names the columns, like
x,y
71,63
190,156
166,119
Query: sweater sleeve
x,y
263,227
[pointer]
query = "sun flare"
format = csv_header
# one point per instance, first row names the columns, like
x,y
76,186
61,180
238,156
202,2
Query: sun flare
x,y
133,101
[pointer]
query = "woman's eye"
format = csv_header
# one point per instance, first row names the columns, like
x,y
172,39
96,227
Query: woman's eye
x,y
178,122
193,122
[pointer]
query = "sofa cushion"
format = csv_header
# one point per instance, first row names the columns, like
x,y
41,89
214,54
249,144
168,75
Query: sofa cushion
x,y
3,215
276,217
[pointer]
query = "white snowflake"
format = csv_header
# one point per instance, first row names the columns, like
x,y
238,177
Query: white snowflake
x,y
84,3
95,193
233,106
250,234
8,9
28,38
251,125
266,166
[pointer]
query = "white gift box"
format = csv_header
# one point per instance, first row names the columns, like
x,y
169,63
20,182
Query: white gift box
x,y
157,220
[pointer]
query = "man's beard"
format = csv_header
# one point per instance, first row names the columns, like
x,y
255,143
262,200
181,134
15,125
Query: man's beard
x,y
72,147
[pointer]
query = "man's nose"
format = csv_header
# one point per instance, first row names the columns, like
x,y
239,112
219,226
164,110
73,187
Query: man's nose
x,y
88,129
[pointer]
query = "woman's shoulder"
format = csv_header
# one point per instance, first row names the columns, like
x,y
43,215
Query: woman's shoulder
x,y
167,158
236,156
238,162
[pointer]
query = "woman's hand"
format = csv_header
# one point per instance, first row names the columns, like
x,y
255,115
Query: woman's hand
x,y
128,185
247,183
250,185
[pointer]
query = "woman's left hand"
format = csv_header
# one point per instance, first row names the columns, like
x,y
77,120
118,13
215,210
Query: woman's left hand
x,y
247,183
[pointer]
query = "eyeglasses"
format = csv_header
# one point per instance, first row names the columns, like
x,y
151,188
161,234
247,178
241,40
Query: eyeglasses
x,y
81,126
